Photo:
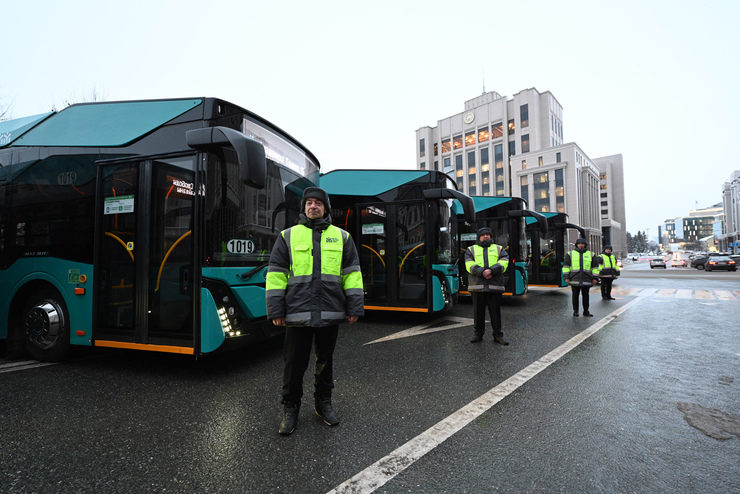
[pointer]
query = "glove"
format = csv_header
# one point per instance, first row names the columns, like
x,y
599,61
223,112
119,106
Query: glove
x,y
497,269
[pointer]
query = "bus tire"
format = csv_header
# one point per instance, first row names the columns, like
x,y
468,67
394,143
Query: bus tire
x,y
45,325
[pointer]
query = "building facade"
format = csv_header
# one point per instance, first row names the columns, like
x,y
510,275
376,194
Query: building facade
x,y
611,203
514,147
729,239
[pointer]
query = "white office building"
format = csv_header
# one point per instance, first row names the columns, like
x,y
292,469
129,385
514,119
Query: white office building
x,y
514,147
611,203
729,240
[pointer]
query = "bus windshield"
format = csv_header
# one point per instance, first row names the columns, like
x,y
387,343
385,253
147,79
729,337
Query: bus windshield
x,y
241,221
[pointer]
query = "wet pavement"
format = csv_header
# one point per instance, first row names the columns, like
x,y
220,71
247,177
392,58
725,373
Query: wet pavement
x,y
612,414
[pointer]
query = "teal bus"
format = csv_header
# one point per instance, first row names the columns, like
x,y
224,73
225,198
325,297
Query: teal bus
x,y
506,217
547,249
405,227
142,225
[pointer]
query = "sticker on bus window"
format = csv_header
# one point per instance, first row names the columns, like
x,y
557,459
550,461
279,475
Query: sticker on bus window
x,y
119,205
239,246
468,236
373,229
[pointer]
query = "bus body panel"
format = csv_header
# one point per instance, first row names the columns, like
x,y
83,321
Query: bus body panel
x,y
211,332
64,276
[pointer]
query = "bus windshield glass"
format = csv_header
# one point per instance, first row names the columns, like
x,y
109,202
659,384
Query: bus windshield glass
x,y
242,221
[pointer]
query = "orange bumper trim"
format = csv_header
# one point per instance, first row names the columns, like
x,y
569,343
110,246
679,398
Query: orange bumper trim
x,y
150,348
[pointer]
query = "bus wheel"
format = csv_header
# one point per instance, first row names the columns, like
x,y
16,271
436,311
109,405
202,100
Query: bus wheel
x,y
46,326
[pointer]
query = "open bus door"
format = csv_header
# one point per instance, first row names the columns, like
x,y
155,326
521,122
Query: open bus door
x,y
144,255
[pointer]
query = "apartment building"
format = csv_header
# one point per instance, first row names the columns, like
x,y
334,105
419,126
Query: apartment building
x,y
611,203
729,239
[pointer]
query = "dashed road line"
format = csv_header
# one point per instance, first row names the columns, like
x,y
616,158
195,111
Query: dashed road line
x,y
22,365
433,327
383,470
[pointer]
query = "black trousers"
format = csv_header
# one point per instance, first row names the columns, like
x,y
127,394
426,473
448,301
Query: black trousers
x,y
492,301
606,287
296,353
580,290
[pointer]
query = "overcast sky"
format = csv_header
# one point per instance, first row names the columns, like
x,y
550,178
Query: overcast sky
x,y
657,81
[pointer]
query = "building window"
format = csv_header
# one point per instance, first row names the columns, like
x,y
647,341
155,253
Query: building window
x,y
604,194
446,148
539,161
524,185
541,192
486,190
512,148
447,165
422,150
422,165
524,115
436,149
483,134
484,164
559,191
457,142
497,130
512,127
557,158
525,143
471,164
604,212
603,176
524,164
436,165
605,203
459,171
603,186
470,138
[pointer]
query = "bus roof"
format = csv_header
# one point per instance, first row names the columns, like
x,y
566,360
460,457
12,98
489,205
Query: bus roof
x,y
103,124
484,202
366,182
11,130
531,220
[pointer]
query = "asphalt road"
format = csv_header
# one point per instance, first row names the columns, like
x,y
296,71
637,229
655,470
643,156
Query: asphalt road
x,y
604,413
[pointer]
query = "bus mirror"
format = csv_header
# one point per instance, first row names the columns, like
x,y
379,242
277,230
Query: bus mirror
x,y
465,200
249,153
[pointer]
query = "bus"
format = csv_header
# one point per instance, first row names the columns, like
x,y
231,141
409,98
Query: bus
x,y
505,216
547,249
405,229
143,225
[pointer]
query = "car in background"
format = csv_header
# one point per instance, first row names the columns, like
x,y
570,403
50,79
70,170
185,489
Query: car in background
x,y
657,262
716,263
678,263
700,261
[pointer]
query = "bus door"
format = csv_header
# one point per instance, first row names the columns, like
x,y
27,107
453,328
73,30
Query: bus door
x,y
393,256
144,255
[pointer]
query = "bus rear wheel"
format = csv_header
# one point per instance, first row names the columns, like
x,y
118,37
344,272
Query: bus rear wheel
x,y
46,326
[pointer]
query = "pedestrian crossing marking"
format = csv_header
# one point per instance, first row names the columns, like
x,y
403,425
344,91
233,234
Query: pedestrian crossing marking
x,y
704,295
724,295
682,293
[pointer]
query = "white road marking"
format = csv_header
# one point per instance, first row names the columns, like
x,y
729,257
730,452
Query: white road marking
x,y
383,470
22,365
455,322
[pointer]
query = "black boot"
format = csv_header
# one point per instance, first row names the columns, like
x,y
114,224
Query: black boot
x,y
290,418
500,340
587,313
476,338
326,412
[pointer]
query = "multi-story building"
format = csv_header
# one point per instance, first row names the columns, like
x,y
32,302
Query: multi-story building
x,y
695,231
611,201
729,240
514,147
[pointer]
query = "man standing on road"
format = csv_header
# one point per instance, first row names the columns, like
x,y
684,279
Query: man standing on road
x,y
607,270
577,269
314,282
486,263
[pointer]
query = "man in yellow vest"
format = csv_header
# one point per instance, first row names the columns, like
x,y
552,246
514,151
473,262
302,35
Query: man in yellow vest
x,y
314,282
578,268
607,270
486,263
